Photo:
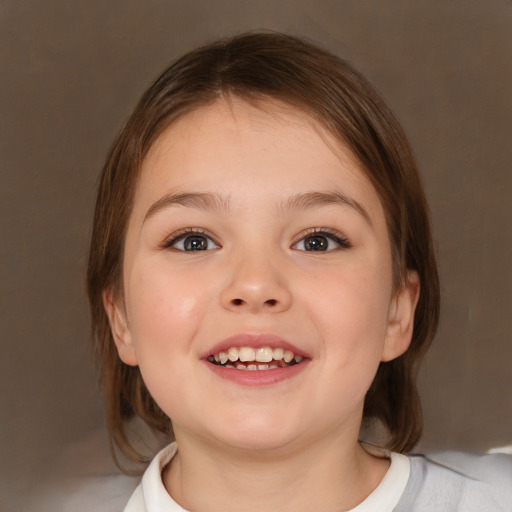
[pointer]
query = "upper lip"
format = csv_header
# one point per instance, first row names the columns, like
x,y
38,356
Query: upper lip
x,y
254,340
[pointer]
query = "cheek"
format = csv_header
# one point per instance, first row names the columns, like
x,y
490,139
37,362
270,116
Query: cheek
x,y
356,291
350,308
164,308
355,324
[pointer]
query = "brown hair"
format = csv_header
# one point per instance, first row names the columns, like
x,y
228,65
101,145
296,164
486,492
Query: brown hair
x,y
253,67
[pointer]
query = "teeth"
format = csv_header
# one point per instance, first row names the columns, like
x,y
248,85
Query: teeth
x,y
235,357
247,354
233,354
278,354
264,355
288,356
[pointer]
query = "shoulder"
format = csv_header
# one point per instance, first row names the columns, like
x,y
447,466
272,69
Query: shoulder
x,y
456,481
494,469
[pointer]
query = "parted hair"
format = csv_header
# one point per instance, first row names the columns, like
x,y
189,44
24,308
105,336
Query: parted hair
x,y
255,67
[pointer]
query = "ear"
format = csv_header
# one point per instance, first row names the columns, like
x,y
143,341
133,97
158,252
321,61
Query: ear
x,y
120,331
401,318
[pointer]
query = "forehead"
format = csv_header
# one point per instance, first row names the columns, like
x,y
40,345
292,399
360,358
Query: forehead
x,y
246,149
231,118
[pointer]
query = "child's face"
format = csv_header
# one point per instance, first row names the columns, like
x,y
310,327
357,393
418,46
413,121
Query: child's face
x,y
289,250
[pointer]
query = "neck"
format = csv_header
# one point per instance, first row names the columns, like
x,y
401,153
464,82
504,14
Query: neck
x,y
329,475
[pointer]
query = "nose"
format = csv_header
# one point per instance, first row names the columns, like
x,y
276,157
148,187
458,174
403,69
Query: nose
x,y
256,285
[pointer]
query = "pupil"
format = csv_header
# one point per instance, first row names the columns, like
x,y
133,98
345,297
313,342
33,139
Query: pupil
x,y
316,243
195,243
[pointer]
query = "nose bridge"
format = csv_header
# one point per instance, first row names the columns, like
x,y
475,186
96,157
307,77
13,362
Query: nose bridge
x,y
257,281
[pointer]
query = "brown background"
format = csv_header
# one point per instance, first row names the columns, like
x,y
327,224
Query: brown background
x,y
70,73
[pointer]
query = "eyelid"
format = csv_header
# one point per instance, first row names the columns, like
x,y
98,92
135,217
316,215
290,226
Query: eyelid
x,y
334,234
176,236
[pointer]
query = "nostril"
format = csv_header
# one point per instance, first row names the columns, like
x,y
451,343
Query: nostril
x,y
237,302
271,302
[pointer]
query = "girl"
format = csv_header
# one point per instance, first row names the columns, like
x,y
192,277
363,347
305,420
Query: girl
x,y
262,282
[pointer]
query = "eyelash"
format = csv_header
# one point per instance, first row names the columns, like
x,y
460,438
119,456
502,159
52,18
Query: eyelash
x,y
183,233
333,235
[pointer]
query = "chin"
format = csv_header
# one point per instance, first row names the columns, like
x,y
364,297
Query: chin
x,y
257,444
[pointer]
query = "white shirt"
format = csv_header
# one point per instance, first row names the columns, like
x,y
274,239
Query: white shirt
x,y
151,495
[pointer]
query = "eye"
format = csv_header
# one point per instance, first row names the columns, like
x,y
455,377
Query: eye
x,y
321,240
191,240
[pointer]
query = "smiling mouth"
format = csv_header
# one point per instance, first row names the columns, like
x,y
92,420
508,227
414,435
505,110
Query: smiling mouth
x,y
248,358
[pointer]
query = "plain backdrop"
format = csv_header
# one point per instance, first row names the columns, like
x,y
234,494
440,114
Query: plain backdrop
x,y
71,72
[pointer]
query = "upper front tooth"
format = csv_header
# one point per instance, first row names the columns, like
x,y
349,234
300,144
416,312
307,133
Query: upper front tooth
x,y
278,354
288,356
261,355
247,354
264,355
233,354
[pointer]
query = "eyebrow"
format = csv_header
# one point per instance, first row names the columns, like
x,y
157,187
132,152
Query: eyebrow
x,y
317,199
213,201
202,200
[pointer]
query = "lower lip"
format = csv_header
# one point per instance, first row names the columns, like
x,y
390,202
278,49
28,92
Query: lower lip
x,y
257,377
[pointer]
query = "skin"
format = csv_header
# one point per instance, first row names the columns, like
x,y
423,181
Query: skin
x,y
292,445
